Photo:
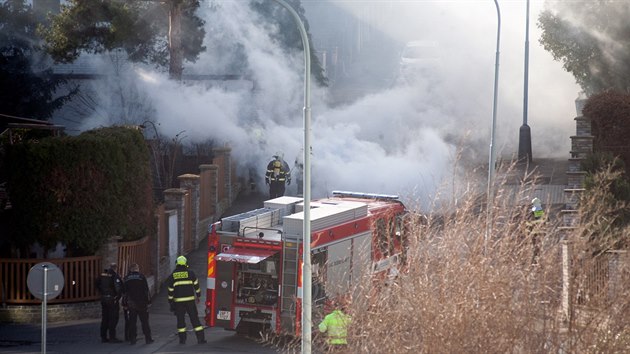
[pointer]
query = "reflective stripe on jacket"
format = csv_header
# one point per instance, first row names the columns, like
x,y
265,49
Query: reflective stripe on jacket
x,y
182,285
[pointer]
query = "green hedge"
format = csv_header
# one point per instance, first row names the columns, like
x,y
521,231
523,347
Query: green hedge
x,y
80,190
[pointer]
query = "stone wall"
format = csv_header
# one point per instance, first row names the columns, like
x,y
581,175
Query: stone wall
x,y
55,312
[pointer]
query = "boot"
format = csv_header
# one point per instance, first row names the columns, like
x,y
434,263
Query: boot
x,y
182,338
200,337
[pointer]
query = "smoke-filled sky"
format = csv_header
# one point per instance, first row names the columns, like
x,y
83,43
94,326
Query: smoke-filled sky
x,y
398,139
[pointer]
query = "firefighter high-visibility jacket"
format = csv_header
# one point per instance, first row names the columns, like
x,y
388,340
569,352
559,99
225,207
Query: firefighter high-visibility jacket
x,y
335,325
182,285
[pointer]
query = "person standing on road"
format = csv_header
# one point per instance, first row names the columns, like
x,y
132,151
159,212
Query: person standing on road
x,y
110,286
137,300
183,296
335,325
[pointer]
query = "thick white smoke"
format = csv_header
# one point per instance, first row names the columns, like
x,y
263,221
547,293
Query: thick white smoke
x,y
400,139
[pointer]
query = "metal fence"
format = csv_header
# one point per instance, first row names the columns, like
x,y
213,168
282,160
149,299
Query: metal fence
x,y
601,279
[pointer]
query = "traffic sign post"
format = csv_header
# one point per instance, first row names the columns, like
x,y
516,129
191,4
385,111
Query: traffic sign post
x,y
45,281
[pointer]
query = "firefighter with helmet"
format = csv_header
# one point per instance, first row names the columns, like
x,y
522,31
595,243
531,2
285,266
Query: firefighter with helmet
x,y
183,296
277,176
335,326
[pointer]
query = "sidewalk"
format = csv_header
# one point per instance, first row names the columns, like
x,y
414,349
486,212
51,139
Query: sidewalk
x,y
82,336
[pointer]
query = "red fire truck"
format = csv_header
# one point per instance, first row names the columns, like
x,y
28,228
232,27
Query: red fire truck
x,y
255,258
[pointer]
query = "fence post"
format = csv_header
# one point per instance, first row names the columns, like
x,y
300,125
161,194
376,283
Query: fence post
x,y
109,253
174,200
223,160
190,182
208,191
567,280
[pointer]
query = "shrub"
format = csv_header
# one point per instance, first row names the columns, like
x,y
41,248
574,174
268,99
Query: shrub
x,y
80,190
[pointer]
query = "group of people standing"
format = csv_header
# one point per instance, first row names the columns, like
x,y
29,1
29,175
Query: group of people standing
x,y
132,292
184,294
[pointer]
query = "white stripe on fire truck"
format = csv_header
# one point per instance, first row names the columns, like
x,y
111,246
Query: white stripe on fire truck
x,y
210,283
299,292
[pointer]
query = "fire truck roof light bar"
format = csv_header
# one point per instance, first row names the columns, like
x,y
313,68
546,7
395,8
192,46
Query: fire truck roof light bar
x,y
365,195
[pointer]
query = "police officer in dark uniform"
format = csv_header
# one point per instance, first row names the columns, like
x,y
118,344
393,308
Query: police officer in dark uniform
x,y
110,286
137,301
183,296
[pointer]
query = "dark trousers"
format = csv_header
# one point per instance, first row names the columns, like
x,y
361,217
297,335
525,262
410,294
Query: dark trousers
x,y
143,315
109,318
276,189
190,308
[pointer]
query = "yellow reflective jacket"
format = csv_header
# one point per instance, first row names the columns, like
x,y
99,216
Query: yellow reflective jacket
x,y
336,325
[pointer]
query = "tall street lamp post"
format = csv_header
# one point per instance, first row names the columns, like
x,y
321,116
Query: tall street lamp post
x,y
306,229
491,161
525,134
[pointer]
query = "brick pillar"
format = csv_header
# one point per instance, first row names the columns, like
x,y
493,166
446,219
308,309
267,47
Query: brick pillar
x,y
191,182
208,190
223,160
174,200
581,147
109,252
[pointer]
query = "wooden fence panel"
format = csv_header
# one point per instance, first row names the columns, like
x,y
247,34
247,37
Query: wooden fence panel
x,y
135,252
79,279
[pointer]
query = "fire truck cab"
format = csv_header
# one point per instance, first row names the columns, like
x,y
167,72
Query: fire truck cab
x,y
255,258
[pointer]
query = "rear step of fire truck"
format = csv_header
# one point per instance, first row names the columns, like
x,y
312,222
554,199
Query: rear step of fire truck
x,y
290,264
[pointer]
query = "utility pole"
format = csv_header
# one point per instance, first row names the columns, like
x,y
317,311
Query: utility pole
x,y
491,159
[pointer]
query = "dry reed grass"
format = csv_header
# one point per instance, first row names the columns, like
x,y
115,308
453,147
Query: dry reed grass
x,y
470,288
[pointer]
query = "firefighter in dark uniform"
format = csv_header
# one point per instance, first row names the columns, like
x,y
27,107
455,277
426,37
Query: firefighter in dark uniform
x,y
110,286
137,300
278,174
183,295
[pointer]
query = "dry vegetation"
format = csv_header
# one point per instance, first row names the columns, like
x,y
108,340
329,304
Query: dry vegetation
x,y
472,289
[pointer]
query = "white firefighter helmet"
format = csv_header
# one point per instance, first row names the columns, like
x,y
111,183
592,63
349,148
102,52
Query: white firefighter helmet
x,y
536,204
